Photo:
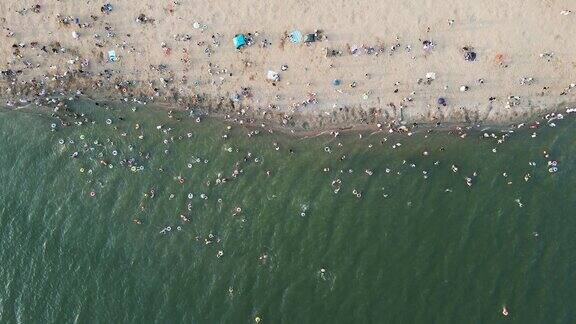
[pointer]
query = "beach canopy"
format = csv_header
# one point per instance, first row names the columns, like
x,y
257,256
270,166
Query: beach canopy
x,y
309,38
239,40
296,37
112,56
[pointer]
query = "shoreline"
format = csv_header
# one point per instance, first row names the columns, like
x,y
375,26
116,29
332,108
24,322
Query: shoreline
x,y
271,125
237,113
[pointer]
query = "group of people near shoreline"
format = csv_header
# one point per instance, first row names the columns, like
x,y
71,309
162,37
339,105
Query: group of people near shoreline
x,y
137,160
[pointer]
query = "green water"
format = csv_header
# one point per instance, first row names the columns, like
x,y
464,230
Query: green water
x,y
409,250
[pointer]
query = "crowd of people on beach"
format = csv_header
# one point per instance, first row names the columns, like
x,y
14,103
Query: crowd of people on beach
x,y
38,72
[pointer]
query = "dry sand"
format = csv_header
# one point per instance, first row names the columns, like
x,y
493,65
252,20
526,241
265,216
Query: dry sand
x,y
509,38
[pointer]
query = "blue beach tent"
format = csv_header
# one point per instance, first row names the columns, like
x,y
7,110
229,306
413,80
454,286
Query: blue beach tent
x,y
112,56
239,41
296,37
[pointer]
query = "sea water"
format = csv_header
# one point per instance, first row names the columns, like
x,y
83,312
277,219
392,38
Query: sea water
x,y
304,229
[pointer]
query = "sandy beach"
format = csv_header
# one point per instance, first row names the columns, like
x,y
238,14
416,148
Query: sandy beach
x,y
372,62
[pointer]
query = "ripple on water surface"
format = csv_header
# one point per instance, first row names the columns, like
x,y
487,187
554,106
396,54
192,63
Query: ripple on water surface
x,y
412,242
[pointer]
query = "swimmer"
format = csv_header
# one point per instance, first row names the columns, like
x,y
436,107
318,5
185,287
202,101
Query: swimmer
x,y
322,273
